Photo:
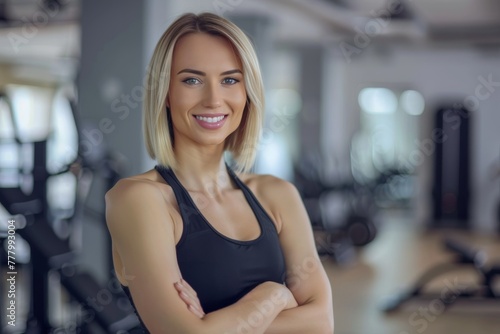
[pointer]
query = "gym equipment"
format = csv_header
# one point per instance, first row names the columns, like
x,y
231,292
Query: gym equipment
x,y
342,214
51,253
464,257
451,193
89,294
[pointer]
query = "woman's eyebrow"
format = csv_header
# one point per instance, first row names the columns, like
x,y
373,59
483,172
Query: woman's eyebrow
x,y
190,70
231,72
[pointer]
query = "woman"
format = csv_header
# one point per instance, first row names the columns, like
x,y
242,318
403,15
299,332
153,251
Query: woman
x,y
198,247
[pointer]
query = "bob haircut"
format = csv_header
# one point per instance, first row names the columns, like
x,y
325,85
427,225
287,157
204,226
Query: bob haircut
x,y
157,127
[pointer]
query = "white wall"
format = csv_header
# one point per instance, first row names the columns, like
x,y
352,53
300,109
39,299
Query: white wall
x,y
437,73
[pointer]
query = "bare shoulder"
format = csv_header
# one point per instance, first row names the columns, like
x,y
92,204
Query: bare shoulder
x,y
137,193
269,185
130,189
145,184
276,195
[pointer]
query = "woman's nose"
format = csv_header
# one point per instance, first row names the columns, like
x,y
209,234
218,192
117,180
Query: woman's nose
x,y
212,96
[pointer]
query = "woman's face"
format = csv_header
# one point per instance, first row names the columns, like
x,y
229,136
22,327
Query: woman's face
x,y
207,93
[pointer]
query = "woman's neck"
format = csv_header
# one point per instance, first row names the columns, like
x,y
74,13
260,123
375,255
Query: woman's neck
x,y
202,169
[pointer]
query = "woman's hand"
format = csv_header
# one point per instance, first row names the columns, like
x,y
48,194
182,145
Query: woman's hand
x,y
291,302
277,293
190,297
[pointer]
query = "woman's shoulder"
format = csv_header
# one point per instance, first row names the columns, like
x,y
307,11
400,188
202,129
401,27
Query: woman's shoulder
x,y
137,199
139,188
141,182
276,193
267,184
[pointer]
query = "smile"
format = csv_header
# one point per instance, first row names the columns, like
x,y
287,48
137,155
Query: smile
x,y
210,119
210,122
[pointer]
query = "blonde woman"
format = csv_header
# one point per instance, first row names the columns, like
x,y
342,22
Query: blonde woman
x,y
199,246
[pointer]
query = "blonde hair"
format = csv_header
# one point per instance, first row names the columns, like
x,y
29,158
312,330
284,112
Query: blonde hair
x,y
157,127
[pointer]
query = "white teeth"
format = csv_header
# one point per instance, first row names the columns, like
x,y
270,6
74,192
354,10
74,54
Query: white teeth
x,y
210,119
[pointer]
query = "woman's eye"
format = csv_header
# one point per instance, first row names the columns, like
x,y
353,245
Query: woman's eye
x,y
191,81
230,81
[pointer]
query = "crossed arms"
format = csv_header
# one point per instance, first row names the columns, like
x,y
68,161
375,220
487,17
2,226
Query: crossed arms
x,y
304,305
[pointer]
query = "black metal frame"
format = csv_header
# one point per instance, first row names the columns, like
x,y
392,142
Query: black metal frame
x,y
49,252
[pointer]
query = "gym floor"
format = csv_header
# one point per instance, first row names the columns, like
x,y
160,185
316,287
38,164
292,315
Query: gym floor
x,y
391,264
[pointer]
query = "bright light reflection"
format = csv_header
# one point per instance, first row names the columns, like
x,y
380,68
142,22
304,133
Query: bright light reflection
x,y
378,101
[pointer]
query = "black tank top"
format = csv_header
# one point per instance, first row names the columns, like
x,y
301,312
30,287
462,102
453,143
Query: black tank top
x,y
220,269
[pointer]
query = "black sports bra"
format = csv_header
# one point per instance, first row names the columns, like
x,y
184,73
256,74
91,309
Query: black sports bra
x,y
220,269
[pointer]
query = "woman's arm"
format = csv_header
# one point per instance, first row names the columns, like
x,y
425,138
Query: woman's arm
x,y
312,312
139,220
306,277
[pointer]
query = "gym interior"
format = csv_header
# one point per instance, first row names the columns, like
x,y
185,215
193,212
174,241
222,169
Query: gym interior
x,y
383,113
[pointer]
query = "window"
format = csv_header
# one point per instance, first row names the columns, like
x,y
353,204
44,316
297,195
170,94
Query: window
x,y
388,136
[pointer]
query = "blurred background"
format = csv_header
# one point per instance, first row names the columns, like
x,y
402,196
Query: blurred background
x,y
384,114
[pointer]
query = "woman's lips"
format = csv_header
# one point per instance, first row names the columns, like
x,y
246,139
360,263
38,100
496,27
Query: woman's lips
x,y
211,121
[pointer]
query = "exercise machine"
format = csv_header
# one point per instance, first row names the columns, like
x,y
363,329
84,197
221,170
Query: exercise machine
x,y
342,214
464,257
49,253
487,290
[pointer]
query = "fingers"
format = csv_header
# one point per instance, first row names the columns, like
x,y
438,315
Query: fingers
x,y
189,296
196,311
189,288
292,302
189,292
